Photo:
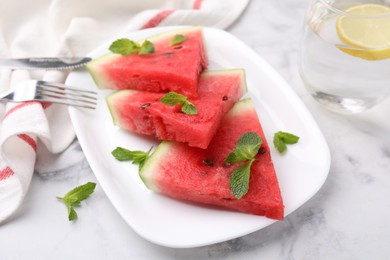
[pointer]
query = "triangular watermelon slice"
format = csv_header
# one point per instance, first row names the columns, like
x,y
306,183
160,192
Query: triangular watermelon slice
x,y
202,176
171,67
143,112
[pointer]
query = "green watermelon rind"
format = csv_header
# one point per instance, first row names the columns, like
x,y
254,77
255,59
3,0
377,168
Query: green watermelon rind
x,y
150,168
110,100
93,69
170,34
93,65
152,162
240,107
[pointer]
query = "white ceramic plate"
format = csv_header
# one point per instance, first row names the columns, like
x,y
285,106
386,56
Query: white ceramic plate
x,y
164,221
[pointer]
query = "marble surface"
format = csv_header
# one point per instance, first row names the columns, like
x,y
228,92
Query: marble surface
x,y
346,219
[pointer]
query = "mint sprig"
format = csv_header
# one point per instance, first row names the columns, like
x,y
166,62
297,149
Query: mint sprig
x,y
281,139
247,147
173,98
126,47
178,38
75,196
138,157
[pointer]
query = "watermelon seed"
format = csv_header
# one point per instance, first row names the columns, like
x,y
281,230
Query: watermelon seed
x,y
262,150
168,53
225,98
208,162
178,47
226,164
145,106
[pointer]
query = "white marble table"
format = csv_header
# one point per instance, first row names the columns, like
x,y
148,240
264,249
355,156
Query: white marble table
x,y
346,219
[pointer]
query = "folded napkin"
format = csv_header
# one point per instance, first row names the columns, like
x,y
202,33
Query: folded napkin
x,y
37,137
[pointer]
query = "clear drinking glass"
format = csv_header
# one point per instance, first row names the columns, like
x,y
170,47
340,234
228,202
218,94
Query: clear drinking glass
x,y
345,53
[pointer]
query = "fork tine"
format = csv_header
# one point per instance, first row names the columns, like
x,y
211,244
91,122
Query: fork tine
x,y
51,94
66,102
56,85
63,94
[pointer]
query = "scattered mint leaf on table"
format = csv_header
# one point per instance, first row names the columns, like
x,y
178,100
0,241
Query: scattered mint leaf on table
x,y
138,157
247,147
283,138
173,98
75,196
178,38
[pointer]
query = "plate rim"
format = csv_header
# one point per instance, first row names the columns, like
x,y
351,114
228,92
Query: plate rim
x,y
273,74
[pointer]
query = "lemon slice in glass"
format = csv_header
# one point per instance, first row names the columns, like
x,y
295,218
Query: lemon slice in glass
x,y
366,29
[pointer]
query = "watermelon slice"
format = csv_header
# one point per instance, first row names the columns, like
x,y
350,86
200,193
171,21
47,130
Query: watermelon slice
x,y
170,67
142,112
202,176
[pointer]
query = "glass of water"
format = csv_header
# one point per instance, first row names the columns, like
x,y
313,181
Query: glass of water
x,y
345,53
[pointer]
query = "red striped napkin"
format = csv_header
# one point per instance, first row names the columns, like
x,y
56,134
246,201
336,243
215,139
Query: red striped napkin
x,y
34,136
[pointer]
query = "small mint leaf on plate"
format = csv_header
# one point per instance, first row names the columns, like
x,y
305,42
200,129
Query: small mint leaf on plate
x,y
282,138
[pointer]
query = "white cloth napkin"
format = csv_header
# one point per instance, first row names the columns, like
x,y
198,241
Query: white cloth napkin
x,y
34,136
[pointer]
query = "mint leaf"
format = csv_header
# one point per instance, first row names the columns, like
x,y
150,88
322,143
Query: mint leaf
x,y
246,149
189,108
279,144
239,180
75,196
178,38
138,157
288,138
248,145
80,193
124,47
72,215
122,154
282,138
147,47
173,98
232,158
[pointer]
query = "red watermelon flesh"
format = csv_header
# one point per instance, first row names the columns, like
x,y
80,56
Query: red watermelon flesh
x,y
142,112
175,68
202,176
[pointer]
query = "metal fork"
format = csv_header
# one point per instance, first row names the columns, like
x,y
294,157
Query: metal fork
x,y
39,90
